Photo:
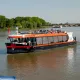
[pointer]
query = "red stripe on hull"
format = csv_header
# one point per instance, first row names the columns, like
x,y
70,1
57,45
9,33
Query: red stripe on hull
x,y
28,47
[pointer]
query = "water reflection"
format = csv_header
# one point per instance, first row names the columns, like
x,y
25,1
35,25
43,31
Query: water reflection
x,y
57,58
71,60
39,64
3,64
70,54
22,64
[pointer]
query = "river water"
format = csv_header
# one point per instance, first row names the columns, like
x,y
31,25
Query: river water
x,y
55,64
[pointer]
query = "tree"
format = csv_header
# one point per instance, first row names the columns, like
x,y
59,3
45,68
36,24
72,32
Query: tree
x,y
34,25
18,19
18,25
10,22
2,21
23,22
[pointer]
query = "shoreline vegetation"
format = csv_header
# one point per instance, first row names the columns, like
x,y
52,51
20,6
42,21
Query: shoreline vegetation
x,y
23,23
22,29
29,23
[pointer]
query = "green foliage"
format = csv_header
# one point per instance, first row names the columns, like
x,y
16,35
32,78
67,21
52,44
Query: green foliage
x,y
34,25
18,24
2,21
23,22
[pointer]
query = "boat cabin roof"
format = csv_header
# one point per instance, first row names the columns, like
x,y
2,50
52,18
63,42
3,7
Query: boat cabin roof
x,y
37,35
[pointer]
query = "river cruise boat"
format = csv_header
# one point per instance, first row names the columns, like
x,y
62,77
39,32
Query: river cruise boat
x,y
38,40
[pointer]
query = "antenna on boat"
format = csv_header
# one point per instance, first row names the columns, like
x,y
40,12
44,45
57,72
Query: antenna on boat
x,y
17,30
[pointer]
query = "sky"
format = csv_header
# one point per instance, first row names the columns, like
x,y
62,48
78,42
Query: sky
x,y
54,11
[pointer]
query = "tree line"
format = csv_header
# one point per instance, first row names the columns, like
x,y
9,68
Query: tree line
x,y
23,22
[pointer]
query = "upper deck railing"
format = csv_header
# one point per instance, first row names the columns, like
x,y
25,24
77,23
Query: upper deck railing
x,y
42,32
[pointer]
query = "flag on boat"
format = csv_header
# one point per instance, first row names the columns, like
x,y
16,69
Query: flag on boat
x,y
8,30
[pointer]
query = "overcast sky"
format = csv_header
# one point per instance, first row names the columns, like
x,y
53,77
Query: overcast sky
x,y
54,11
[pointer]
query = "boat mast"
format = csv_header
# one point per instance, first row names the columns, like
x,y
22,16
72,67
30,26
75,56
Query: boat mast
x,y
17,30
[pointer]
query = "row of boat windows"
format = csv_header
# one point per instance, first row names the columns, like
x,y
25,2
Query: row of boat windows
x,y
40,40
20,40
46,40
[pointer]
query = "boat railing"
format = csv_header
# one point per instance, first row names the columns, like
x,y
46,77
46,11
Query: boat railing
x,y
42,32
48,31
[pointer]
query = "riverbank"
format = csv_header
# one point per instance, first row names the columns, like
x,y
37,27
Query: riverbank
x,y
21,29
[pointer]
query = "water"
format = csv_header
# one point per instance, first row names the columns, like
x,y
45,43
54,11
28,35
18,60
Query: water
x,y
55,64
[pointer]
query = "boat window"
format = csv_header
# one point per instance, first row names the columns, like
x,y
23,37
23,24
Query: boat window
x,y
55,39
65,38
13,39
60,39
33,41
27,40
20,40
8,40
50,39
45,40
39,40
